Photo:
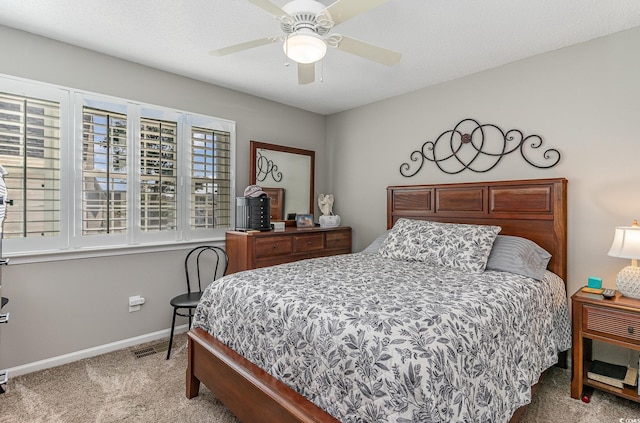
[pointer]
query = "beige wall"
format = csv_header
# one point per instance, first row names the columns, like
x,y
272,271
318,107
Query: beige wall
x,y
583,100
66,306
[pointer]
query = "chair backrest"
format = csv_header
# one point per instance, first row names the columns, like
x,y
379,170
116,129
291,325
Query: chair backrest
x,y
205,263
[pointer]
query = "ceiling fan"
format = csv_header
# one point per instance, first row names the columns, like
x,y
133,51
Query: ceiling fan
x,y
307,26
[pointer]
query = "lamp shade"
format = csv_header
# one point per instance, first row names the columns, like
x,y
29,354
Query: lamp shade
x,y
305,47
626,242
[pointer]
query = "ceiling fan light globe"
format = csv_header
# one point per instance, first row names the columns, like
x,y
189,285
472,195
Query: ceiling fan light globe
x,y
305,48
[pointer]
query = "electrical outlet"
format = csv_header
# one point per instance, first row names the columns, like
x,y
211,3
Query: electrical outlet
x,y
135,302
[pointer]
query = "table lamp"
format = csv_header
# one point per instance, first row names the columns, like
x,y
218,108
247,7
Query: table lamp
x,y
626,244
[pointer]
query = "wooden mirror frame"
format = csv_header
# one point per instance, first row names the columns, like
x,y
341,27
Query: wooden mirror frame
x,y
254,146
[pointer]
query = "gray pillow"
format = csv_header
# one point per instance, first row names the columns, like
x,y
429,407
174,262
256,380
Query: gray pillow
x,y
376,244
518,255
456,246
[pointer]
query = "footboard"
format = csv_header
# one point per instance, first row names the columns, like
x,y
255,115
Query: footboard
x,y
249,392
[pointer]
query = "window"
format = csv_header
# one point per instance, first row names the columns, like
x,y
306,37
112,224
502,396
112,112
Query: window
x,y
158,175
30,152
210,179
104,172
127,174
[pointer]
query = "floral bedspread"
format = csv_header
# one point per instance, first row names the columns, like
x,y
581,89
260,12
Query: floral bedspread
x,y
372,339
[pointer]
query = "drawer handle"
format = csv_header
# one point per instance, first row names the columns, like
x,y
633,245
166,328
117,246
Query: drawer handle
x,y
308,242
630,329
275,247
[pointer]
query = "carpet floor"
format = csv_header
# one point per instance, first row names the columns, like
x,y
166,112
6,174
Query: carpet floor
x,y
138,385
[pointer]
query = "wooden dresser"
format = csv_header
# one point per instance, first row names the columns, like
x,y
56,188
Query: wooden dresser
x,y
249,250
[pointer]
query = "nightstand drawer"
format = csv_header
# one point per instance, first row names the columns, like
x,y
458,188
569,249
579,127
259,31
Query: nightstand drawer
x,y
612,322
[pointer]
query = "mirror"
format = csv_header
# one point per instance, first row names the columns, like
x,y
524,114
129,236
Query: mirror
x,y
285,172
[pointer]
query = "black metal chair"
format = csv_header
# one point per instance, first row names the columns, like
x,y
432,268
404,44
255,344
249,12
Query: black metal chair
x,y
204,263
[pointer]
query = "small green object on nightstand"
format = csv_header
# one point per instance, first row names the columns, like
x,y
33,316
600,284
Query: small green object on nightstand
x,y
594,282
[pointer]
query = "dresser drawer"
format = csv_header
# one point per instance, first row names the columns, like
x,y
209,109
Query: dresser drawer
x,y
273,246
336,240
308,242
618,323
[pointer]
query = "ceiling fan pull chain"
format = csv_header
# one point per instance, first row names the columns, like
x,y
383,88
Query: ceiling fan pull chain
x,y
322,70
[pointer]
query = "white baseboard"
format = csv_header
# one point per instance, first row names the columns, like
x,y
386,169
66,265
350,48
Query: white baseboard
x,y
92,352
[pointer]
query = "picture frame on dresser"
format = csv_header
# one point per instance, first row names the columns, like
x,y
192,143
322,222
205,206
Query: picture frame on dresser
x,y
304,220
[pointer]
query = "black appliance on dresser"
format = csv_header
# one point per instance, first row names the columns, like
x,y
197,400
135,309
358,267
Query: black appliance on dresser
x,y
253,213
4,318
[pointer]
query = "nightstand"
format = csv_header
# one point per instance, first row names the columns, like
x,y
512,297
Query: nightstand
x,y
614,321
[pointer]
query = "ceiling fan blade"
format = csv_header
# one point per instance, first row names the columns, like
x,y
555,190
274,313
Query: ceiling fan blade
x,y
244,46
369,51
343,10
270,8
306,73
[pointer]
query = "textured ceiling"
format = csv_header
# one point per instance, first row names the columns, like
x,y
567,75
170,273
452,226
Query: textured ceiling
x,y
439,40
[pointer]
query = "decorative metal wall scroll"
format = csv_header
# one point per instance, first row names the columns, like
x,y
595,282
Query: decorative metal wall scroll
x,y
265,168
479,148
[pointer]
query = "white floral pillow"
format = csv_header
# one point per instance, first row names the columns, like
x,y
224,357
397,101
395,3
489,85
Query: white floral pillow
x,y
456,246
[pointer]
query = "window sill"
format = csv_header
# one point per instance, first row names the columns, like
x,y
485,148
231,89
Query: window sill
x,y
95,252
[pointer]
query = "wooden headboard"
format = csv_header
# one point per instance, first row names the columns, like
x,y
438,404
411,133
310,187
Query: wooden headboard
x,y
535,209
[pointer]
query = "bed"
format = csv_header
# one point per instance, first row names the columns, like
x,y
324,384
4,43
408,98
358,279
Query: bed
x,y
444,366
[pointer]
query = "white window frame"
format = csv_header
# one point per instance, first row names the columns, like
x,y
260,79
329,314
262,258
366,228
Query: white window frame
x,y
137,234
71,241
206,122
79,240
60,95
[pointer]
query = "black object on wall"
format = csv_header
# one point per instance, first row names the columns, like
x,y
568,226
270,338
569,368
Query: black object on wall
x,y
479,148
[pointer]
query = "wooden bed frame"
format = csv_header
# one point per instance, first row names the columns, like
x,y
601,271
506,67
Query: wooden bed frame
x,y
534,209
